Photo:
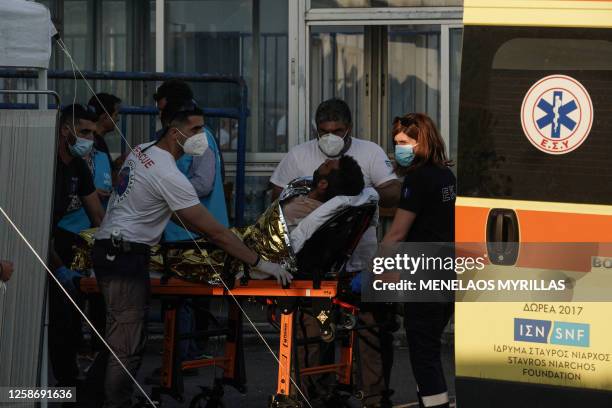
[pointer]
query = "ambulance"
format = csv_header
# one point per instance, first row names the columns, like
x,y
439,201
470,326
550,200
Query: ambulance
x,y
534,171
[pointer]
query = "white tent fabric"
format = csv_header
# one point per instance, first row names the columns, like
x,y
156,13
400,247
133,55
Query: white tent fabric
x,y
27,159
25,34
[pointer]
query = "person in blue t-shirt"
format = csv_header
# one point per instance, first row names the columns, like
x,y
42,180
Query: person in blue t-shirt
x,y
105,108
100,167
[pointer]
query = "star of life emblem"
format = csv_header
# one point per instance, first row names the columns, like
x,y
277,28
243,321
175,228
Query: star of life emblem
x,y
557,114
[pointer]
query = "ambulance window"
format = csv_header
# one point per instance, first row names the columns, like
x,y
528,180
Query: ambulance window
x,y
554,54
496,158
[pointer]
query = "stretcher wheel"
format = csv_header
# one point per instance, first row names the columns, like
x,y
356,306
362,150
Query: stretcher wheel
x,y
350,322
329,334
360,395
284,401
205,401
208,398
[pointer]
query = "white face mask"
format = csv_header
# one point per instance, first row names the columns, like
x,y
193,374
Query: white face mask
x,y
195,145
331,145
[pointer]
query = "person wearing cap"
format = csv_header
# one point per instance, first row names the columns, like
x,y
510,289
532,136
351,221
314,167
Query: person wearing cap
x,y
151,189
74,190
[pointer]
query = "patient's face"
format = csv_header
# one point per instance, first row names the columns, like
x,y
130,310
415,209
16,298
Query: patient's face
x,y
327,167
321,180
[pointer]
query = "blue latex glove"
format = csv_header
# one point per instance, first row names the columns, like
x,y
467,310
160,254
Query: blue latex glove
x,y
67,278
356,283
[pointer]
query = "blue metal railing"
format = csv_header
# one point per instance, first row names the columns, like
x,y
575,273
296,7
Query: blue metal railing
x,y
240,113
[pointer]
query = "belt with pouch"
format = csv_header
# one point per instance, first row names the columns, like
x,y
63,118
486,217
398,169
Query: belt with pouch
x,y
123,247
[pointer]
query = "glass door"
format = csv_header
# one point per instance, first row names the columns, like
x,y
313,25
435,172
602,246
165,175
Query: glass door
x,y
412,74
337,70
384,71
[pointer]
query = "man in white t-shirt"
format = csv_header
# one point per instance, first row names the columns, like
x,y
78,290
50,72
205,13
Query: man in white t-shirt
x,y
334,125
150,189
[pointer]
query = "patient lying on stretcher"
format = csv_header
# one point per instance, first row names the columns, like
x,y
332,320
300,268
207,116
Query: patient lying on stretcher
x,y
270,236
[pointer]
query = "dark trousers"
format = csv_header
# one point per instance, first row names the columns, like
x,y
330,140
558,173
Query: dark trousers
x,y
375,351
126,287
65,334
424,324
64,337
97,316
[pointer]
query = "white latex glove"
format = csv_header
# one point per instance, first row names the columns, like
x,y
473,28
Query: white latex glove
x,y
282,276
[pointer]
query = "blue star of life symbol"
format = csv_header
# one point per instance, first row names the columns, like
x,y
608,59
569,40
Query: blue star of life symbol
x,y
556,114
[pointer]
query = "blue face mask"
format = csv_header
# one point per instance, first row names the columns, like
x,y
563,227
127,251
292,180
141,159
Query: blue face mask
x,y
404,155
81,148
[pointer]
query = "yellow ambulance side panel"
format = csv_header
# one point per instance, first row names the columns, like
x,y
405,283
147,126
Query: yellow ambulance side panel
x,y
539,13
485,331
486,346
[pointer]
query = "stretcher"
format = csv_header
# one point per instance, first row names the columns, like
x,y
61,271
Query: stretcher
x,y
320,285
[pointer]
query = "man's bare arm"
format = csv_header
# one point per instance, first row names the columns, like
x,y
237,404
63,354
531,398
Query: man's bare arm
x,y
198,219
389,193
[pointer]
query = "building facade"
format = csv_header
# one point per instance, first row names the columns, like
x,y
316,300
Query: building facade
x,y
384,57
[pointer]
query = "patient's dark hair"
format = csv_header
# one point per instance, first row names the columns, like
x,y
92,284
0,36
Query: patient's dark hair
x,y
347,180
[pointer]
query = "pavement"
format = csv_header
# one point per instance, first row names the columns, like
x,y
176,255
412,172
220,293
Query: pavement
x,y
261,366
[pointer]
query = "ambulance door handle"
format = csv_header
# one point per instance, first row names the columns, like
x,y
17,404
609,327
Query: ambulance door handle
x,y
510,227
502,236
499,228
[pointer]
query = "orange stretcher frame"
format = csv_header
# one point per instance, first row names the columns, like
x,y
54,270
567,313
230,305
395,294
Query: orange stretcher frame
x,y
255,288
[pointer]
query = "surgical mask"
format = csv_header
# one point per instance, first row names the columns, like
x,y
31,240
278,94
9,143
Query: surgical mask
x,y
81,147
404,155
195,145
331,145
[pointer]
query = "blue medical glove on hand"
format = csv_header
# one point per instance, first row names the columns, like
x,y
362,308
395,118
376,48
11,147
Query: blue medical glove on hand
x,y
356,283
67,278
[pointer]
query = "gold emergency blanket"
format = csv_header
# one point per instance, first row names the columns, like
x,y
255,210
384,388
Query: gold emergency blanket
x,y
268,237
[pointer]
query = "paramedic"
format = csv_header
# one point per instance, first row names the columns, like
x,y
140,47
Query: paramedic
x,y
426,213
149,190
204,173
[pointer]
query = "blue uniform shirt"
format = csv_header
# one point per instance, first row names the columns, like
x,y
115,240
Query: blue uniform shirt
x,y
77,221
214,202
